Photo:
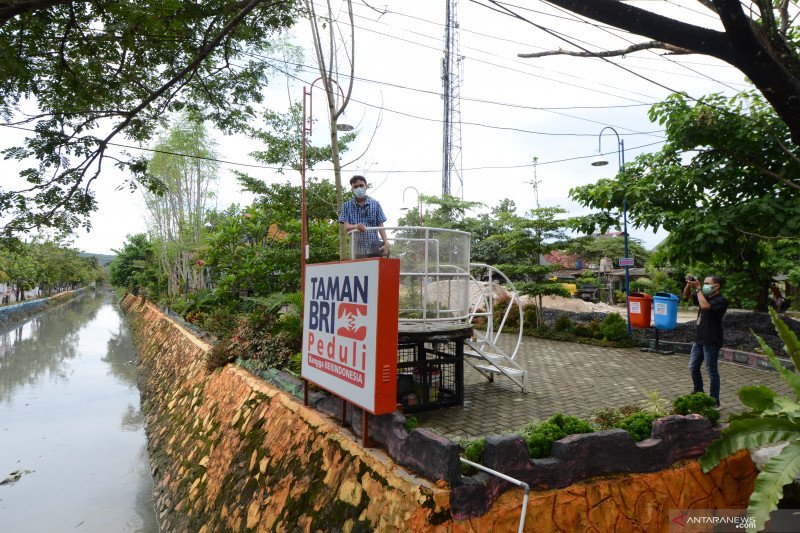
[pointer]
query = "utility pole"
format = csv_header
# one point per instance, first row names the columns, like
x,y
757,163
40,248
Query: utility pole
x,y
451,94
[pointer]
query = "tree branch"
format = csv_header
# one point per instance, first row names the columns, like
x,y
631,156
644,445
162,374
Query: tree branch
x,y
9,10
656,27
649,45
202,55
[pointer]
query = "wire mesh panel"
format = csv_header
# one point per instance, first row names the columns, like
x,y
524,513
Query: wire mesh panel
x,y
434,272
430,375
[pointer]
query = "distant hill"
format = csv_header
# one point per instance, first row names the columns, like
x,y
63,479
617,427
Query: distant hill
x,y
103,259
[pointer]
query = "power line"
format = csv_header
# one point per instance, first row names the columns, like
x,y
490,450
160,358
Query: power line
x,y
265,167
478,124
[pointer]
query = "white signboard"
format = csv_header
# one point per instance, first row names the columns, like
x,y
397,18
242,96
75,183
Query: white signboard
x,y
340,327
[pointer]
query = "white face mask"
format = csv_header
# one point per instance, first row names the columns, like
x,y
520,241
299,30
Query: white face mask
x,y
360,192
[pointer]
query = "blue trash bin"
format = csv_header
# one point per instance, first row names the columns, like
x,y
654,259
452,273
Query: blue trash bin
x,y
665,310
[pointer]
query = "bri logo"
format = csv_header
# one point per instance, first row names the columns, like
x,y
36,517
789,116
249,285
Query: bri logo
x,y
353,319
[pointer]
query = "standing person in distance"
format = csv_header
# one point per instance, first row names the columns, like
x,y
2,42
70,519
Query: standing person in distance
x,y
362,212
708,334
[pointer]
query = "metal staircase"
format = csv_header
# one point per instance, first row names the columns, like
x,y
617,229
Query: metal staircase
x,y
483,353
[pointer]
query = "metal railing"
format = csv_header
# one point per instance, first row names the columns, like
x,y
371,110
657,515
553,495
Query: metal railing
x,y
524,486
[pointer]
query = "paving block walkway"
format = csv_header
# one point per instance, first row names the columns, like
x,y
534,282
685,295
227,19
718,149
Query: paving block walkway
x,y
577,379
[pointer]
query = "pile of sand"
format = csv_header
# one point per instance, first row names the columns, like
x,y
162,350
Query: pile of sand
x,y
574,305
451,293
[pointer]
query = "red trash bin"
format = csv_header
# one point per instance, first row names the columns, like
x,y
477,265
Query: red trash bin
x,y
640,307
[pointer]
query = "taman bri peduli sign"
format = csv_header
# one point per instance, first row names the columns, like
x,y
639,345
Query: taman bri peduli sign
x,y
350,331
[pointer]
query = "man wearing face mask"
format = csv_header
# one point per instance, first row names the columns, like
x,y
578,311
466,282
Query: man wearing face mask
x,y
362,212
708,335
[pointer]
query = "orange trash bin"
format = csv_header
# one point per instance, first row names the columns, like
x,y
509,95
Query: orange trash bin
x,y
640,307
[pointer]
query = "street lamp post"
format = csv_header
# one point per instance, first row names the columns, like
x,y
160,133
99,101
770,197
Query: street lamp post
x,y
600,161
419,203
306,126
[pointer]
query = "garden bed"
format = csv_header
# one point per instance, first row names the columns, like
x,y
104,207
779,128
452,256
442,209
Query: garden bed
x,y
738,327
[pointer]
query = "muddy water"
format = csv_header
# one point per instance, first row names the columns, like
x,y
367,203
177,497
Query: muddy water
x,y
70,424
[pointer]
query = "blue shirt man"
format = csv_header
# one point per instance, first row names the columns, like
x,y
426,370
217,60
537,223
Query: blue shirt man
x,y
362,212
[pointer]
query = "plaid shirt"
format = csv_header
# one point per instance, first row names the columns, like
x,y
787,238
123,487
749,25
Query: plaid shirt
x,y
371,215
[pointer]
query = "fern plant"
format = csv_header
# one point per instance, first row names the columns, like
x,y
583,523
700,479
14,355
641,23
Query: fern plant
x,y
772,418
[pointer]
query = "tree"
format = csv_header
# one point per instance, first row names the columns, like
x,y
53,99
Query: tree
x,y
593,248
724,194
98,69
328,54
256,251
178,214
283,140
502,238
760,38
136,267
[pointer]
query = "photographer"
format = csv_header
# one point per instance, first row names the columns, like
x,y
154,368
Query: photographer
x,y
708,335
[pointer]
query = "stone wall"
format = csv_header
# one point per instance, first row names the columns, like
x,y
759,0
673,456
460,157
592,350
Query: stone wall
x,y
231,452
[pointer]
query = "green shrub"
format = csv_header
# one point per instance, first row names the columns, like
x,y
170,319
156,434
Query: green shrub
x,y
606,418
629,409
499,310
295,364
252,341
590,330
530,316
619,296
564,324
472,450
220,321
699,403
412,423
644,285
540,436
639,425
614,327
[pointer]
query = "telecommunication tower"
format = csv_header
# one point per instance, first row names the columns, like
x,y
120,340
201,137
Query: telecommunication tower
x,y
452,70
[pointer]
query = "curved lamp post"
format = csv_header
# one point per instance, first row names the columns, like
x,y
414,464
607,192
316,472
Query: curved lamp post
x,y
599,162
306,126
419,204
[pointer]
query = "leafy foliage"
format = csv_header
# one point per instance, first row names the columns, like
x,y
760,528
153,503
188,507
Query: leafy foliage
x,y
698,403
654,404
136,268
725,187
256,251
772,418
540,436
614,328
564,324
120,68
48,265
639,425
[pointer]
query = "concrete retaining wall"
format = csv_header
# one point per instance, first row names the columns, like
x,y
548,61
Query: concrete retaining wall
x,y
231,452
22,310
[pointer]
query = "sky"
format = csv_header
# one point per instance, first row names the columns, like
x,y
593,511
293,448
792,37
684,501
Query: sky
x,y
512,110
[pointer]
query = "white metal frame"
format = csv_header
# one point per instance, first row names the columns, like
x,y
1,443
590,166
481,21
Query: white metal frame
x,y
482,352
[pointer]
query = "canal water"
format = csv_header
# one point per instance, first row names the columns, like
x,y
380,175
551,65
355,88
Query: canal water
x,y
73,455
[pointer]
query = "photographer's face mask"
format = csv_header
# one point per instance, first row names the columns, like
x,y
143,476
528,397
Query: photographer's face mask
x,y
360,191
